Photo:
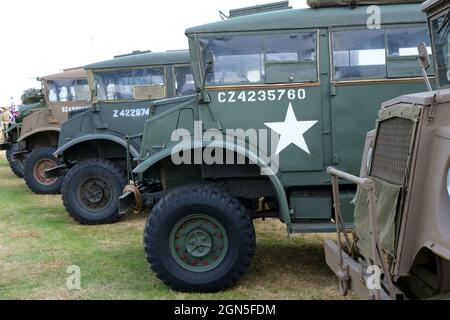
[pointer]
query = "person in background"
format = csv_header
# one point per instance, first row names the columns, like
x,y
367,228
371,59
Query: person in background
x,y
5,119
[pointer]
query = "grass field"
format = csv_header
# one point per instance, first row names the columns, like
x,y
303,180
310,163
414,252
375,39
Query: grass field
x,y
39,241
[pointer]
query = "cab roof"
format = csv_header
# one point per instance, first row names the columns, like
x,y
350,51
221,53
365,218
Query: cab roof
x,y
139,59
312,18
68,74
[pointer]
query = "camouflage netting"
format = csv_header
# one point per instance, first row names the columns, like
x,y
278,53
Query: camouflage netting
x,y
352,3
32,95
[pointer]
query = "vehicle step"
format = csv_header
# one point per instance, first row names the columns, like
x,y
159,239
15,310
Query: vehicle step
x,y
315,227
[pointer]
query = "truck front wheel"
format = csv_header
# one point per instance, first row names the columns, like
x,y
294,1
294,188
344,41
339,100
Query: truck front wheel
x,y
39,160
90,191
199,239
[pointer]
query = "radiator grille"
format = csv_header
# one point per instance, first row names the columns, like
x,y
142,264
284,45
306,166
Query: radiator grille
x,y
391,152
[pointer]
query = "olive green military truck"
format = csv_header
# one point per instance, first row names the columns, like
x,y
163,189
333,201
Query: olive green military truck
x,y
92,144
38,134
32,99
282,95
400,247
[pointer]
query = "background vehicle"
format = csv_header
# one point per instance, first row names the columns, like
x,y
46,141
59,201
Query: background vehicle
x,y
315,78
32,99
92,144
38,138
402,215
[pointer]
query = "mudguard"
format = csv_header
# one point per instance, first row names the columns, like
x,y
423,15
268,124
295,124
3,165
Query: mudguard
x,y
252,157
38,130
91,137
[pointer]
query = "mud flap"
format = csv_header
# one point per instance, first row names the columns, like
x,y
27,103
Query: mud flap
x,y
358,275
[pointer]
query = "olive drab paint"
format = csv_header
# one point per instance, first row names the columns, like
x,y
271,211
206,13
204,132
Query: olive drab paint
x,y
317,86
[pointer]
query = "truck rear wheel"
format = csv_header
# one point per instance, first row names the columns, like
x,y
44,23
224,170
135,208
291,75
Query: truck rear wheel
x,y
17,167
39,160
199,238
91,189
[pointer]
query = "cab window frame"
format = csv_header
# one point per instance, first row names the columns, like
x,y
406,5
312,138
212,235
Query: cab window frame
x,y
174,77
47,87
388,60
94,89
201,65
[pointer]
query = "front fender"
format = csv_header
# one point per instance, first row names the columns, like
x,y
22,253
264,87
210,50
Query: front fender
x,y
25,136
254,158
91,137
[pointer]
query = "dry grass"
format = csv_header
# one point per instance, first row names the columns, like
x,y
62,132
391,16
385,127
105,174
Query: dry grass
x,y
38,241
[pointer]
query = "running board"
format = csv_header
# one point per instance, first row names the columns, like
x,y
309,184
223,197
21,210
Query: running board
x,y
315,227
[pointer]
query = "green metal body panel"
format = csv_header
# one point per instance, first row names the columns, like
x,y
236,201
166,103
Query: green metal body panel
x,y
114,120
343,111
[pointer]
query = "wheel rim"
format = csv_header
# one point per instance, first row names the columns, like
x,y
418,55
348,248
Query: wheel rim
x,y
198,243
95,194
39,171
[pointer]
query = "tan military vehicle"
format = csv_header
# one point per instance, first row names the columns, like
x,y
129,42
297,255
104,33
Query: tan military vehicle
x,y
64,92
400,247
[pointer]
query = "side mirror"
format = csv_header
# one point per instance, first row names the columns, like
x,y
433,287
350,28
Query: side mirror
x,y
423,56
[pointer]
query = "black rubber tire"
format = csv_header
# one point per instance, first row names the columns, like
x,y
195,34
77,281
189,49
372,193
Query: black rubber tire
x,y
34,185
110,173
17,167
221,206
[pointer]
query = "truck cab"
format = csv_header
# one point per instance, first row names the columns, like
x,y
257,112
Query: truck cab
x,y
39,131
400,247
282,94
92,144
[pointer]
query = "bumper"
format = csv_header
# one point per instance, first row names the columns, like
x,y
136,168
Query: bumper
x,y
5,146
356,272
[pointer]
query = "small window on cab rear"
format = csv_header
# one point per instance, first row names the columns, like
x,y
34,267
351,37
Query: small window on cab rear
x,y
260,58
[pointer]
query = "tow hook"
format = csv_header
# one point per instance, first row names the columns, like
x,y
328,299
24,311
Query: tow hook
x,y
132,189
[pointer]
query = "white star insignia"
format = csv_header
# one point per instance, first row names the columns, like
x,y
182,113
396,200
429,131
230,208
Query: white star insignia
x,y
291,131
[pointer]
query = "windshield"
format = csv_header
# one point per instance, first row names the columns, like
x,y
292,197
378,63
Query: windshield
x,y
68,90
440,29
122,84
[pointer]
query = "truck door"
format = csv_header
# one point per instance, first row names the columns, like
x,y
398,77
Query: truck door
x,y
270,82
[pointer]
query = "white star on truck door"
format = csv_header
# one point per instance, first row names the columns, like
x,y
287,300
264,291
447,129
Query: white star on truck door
x,y
291,131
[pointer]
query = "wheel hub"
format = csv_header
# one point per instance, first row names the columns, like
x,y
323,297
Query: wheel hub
x,y
39,171
198,243
95,194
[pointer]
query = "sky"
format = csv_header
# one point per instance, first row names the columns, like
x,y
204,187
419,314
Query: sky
x,y
43,37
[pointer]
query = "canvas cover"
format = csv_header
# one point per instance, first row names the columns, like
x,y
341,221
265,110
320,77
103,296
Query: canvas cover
x,y
386,196
338,3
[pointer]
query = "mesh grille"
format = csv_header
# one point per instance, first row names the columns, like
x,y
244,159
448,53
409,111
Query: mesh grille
x,y
391,152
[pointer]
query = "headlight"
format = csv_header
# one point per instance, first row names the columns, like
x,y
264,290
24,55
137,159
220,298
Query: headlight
x,y
448,182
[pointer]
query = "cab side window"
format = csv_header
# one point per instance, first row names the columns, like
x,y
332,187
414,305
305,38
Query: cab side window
x,y
377,54
266,58
359,54
184,81
68,90
402,51
136,84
